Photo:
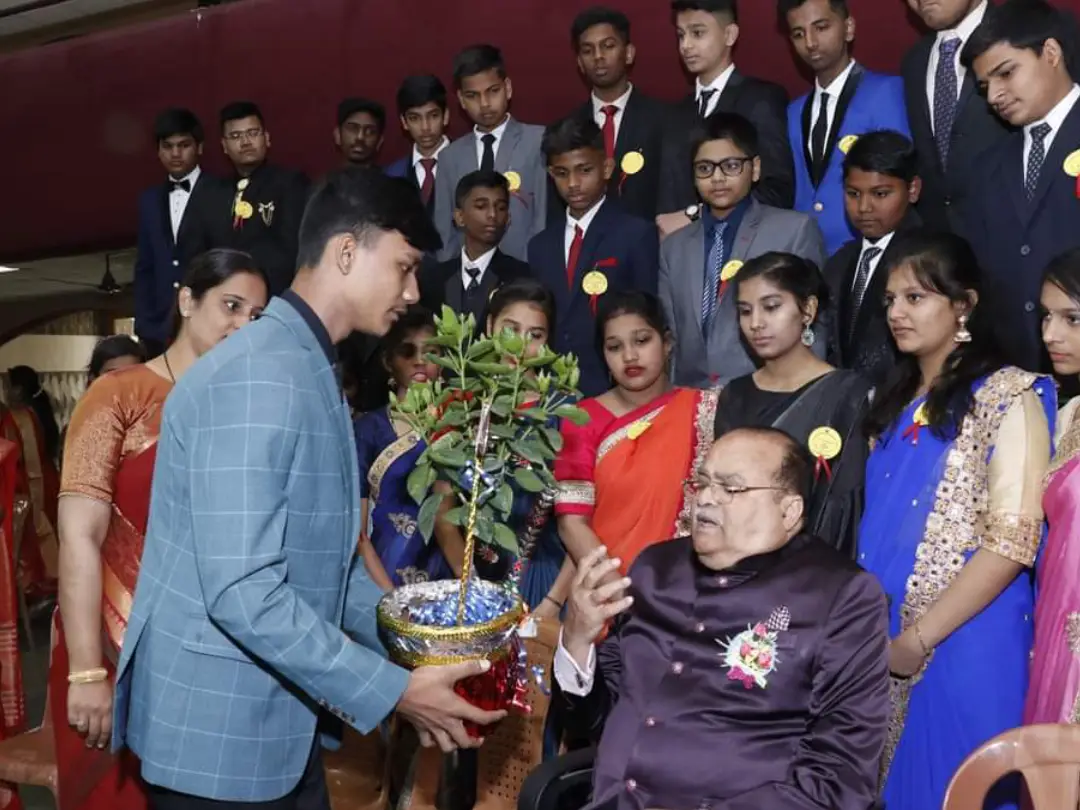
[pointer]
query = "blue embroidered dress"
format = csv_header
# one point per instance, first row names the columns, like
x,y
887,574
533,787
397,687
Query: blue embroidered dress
x,y
930,505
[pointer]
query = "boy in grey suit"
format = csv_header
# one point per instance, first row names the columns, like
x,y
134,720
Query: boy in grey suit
x,y
499,143
698,262
253,615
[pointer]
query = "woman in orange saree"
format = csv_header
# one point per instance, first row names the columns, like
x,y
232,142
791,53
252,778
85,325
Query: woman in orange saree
x,y
105,502
622,477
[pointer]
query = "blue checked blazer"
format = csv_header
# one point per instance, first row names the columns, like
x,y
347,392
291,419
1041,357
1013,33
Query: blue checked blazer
x,y
249,573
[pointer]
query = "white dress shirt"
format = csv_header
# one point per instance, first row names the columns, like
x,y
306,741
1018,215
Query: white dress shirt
x,y
572,679
834,90
481,263
964,30
620,106
417,157
178,200
883,245
718,84
583,223
1055,118
498,132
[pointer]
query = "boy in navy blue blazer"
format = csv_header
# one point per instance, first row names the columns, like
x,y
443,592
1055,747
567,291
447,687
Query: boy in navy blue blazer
x,y
422,109
1026,197
595,249
847,100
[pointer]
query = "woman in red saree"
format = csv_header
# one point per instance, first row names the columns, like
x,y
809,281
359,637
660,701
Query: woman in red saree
x,y
12,697
622,477
104,506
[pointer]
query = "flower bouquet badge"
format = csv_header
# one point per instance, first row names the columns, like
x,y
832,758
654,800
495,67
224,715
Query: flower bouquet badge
x,y
487,425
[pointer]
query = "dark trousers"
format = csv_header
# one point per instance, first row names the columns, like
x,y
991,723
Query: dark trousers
x,y
309,794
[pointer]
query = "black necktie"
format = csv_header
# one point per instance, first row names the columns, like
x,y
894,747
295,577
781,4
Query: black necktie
x,y
818,136
487,162
1036,158
474,280
179,185
703,102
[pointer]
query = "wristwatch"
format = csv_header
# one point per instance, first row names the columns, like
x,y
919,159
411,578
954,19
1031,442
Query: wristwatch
x,y
693,212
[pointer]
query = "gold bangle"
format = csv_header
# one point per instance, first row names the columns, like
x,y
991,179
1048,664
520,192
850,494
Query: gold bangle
x,y
89,676
918,636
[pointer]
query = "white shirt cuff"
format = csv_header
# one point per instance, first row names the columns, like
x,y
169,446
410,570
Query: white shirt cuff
x,y
570,677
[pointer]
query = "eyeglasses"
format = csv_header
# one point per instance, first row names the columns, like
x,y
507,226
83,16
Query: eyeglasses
x,y
729,167
723,493
408,350
250,134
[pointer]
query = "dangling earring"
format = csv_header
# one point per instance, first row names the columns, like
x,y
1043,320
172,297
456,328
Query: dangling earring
x,y
808,336
962,334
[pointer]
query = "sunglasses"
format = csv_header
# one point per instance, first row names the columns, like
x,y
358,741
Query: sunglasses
x,y
410,351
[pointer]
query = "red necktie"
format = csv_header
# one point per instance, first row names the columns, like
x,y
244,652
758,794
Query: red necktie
x,y
575,254
609,112
428,186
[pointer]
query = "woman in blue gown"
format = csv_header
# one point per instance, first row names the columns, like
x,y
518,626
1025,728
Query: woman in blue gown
x,y
952,522
395,552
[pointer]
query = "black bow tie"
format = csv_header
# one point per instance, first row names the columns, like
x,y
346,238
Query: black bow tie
x,y
179,185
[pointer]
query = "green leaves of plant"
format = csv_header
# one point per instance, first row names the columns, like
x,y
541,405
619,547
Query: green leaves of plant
x,y
528,480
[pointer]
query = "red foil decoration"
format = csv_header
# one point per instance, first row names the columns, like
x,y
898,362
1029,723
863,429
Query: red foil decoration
x,y
503,687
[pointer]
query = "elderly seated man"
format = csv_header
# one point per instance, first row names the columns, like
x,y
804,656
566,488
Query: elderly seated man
x,y
747,668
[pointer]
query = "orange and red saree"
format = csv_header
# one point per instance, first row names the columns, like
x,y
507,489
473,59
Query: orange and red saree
x,y
628,474
109,457
12,698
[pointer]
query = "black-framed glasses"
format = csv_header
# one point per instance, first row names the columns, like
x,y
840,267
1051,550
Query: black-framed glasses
x,y
240,134
410,350
724,493
729,167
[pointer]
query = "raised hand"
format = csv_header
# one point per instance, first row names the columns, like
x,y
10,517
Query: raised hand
x,y
597,595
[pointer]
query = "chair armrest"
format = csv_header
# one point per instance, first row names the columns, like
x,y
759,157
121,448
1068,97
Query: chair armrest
x,y
562,783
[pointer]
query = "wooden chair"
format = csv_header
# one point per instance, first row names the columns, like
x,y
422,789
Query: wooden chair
x,y
1048,757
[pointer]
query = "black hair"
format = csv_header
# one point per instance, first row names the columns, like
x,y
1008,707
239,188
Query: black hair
x,y
1022,24
235,110
476,59
725,126
886,152
599,15
784,7
209,270
416,91
570,134
178,121
632,302
729,8
112,348
943,263
1064,273
793,274
32,394
352,106
523,291
363,202
413,319
479,179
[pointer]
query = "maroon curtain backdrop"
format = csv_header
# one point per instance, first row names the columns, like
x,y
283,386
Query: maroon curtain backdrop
x,y
76,116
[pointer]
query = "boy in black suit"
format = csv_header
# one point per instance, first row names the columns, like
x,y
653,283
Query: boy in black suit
x,y
1026,197
466,282
631,122
707,32
422,109
881,186
361,125
593,249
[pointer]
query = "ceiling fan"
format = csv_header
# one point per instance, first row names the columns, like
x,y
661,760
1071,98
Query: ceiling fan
x,y
108,284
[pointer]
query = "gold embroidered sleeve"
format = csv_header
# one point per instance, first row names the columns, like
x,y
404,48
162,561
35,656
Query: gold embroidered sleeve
x,y
1014,517
575,493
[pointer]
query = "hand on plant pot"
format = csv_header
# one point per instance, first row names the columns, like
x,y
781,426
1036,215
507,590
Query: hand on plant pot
x,y
438,712
594,600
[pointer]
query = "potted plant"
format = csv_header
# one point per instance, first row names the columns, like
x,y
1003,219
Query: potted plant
x,y
489,425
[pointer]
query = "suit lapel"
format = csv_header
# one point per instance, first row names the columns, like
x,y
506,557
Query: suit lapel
x,y
196,195
748,230
1012,174
455,293
851,86
166,213
594,240
693,259
1066,140
921,113
807,124
627,139
504,158
732,91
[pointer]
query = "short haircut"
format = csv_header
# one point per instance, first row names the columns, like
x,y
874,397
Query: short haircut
x,y
1022,24
599,15
178,121
728,8
570,134
725,126
352,106
883,151
479,179
416,91
785,6
363,202
796,471
476,59
235,110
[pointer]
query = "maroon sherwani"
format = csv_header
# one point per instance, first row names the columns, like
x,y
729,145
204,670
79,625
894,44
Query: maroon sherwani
x,y
761,687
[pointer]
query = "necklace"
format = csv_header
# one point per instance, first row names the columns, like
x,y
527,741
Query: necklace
x,y
168,368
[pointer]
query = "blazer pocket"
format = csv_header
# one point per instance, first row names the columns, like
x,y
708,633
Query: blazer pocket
x,y
229,652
